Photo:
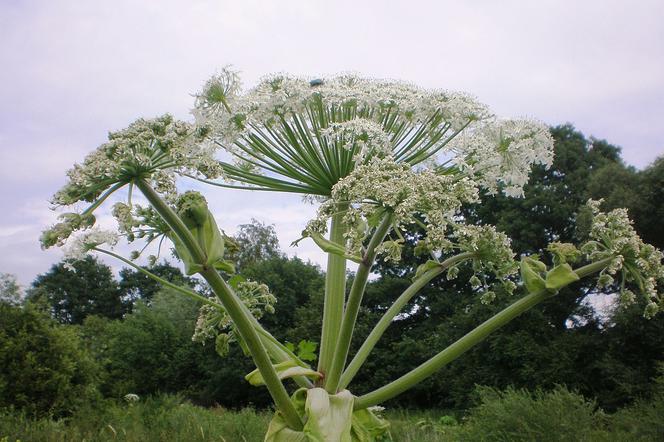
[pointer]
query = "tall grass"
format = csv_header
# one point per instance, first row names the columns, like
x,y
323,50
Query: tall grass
x,y
509,415
160,418
169,418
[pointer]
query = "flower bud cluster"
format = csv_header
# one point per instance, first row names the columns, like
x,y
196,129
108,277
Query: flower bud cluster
x,y
214,322
612,236
70,222
492,250
492,259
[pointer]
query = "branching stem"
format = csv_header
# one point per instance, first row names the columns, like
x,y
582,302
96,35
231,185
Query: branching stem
x,y
465,343
233,305
353,304
335,293
398,305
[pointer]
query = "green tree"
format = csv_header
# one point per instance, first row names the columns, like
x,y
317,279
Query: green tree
x,y
73,290
256,241
650,212
44,369
142,354
135,285
10,291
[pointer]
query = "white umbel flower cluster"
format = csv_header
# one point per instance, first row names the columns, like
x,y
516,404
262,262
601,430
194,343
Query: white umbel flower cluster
x,y
152,149
282,95
639,264
306,135
363,136
384,185
501,153
77,247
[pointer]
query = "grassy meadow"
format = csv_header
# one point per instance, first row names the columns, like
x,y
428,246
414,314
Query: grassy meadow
x,y
510,415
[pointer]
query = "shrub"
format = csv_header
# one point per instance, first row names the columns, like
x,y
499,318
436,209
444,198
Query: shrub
x,y
43,367
518,415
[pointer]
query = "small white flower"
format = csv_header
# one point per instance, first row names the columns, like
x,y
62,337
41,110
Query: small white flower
x,y
77,247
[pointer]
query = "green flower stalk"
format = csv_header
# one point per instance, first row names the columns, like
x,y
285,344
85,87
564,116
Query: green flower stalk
x,y
381,159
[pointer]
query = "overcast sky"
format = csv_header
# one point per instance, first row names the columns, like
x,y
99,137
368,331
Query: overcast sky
x,y
73,70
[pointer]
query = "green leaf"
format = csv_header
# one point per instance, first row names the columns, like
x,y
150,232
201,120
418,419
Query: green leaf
x,y
235,280
530,274
560,276
285,370
306,350
368,427
423,268
328,246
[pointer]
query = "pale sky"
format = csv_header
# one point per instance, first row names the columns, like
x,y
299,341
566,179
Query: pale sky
x,y
73,70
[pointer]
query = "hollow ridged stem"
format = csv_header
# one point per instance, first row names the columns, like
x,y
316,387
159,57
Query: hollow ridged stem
x,y
465,343
232,304
335,294
353,305
385,321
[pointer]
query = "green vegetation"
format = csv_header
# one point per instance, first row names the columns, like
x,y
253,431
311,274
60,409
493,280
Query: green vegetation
x,y
510,415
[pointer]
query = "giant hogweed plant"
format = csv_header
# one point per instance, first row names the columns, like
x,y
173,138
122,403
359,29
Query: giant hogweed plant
x,y
380,159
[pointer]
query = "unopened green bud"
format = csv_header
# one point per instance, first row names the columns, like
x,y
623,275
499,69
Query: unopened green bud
x,y
604,280
488,297
222,344
192,208
651,310
452,273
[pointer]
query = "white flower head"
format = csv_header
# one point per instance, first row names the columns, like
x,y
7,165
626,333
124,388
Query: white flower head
x,y
613,237
502,152
79,246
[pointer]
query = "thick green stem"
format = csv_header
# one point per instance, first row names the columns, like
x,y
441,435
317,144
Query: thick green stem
x,y
398,305
335,293
276,349
464,344
233,305
353,305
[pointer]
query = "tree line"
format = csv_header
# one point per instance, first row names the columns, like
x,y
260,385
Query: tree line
x,y
80,334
